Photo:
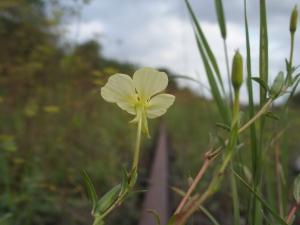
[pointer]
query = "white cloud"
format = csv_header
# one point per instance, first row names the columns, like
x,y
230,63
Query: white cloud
x,y
159,34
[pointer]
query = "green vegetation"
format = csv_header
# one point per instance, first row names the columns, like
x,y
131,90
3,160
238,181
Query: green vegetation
x,y
54,122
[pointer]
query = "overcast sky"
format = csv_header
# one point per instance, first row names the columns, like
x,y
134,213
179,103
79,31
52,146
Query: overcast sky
x,y
158,33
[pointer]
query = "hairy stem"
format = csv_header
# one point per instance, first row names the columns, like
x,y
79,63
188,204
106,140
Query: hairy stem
x,y
193,185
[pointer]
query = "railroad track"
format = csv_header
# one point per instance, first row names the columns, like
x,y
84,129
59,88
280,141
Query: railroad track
x,y
156,197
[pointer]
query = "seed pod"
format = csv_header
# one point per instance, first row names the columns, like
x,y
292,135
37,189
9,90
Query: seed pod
x,y
277,86
237,71
293,21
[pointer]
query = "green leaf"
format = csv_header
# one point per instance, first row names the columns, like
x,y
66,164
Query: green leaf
x,y
262,83
240,119
221,17
272,115
132,194
211,68
277,86
296,189
91,190
288,79
221,140
287,65
266,219
173,220
207,213
157,218
132,178
277,217
124,183
233,136
191,79
295,79
223,126
107,200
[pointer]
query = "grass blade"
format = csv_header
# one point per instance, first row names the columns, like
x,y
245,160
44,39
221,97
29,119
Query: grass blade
x,y
276,216
208,51
91,190
221,18
210,65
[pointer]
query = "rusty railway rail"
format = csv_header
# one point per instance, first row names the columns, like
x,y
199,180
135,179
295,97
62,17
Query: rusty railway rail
x,y
156,197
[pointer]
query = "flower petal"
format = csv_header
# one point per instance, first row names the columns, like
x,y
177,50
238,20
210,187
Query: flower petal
x,y
158,105
129,107
119,88
148,82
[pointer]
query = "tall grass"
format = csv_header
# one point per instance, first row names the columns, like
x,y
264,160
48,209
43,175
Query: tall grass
x,y
262,158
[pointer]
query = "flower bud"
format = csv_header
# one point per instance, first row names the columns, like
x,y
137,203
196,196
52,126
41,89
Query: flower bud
x,y
277,86
293,21
237,71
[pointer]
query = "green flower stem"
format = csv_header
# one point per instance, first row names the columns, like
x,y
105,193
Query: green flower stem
x,y
236,106
98,221
137,145
292,50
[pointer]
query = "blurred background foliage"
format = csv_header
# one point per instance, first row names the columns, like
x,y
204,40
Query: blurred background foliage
x,y
54,123
53,120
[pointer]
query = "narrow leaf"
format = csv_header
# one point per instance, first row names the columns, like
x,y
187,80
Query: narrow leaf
x,y
132,180
211,68
173,220
223,126
221,17
272,115
157,218
132,194
277,85
191,79
207,213
91,190
262,83
277,217
107,200
124,183
295,79
205,45
221,140
240,119
233,136
266,219
296,189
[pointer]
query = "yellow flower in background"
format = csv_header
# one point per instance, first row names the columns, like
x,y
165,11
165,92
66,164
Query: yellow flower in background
x,y
51,109
139,96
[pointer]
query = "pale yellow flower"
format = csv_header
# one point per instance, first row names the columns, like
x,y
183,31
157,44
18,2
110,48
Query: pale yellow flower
x,y
139,96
